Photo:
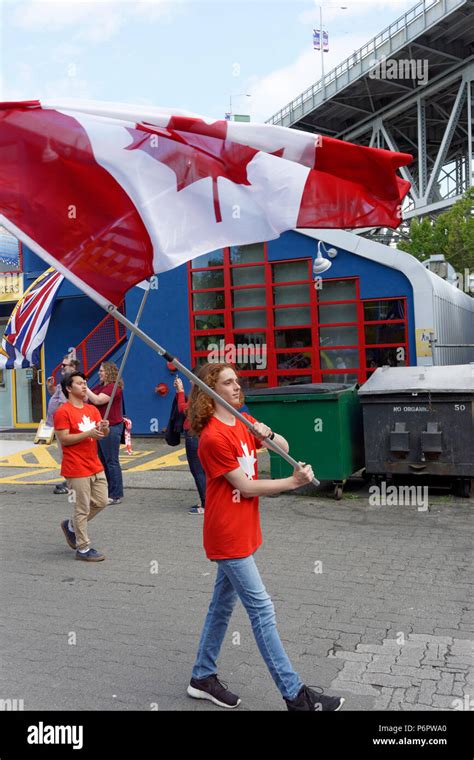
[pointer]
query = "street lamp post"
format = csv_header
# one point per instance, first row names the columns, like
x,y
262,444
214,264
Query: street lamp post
x,y
238,95
321,47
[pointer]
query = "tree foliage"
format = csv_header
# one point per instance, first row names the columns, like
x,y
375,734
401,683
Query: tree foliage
x,y
451,233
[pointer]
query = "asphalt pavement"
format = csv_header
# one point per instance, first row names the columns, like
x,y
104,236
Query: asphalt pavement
x,y
373,603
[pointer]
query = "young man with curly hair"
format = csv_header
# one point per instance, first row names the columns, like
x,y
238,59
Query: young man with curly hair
x,y
227,450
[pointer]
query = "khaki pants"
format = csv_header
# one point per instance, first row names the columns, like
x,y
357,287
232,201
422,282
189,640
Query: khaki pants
x,y
91,496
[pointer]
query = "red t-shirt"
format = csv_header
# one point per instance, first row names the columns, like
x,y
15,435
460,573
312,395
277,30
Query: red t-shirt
x,y
79,460
231,526
115,414
183,407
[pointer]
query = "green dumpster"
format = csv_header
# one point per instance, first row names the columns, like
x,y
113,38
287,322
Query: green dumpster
x,y
322,423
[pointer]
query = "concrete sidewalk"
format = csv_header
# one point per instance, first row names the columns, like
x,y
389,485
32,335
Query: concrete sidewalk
x,y
373,603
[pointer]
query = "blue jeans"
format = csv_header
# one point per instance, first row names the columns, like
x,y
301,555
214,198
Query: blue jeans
x,y
191,443
239,578
109,456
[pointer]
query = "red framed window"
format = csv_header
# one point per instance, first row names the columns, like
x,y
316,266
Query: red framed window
x,y
385,333
339,333
269,319
11,254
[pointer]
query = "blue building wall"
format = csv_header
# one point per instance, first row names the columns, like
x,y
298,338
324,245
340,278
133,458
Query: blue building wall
x,y
74,315
166,320
73,318
376,280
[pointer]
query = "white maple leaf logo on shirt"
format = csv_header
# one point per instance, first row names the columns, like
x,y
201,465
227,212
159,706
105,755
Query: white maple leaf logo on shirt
x,y
247,462
86,424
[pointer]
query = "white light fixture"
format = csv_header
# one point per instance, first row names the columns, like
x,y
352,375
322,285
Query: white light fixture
x,y
320,264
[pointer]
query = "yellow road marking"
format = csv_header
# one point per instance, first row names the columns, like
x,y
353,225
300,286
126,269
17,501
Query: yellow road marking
x,y
43,458
124,457
49,465
16,479
174,459
40,453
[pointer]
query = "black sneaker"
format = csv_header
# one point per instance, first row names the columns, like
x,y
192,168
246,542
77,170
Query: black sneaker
x,y
308,700
211,688
90,556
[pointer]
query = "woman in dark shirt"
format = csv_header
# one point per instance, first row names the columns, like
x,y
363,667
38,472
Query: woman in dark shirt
x,y
109,447
191,444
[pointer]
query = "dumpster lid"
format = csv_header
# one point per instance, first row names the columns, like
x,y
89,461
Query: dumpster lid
x,y
450,379
304,388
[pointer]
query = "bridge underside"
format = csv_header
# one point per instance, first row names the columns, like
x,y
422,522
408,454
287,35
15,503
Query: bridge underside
x,y
411,89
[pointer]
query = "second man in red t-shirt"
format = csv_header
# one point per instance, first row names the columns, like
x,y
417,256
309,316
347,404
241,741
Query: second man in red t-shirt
x,y
79,426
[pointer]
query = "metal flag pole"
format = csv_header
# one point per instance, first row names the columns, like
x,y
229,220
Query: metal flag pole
x,y
127,351
210,392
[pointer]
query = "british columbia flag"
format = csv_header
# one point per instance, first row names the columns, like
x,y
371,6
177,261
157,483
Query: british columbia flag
x,y
29,321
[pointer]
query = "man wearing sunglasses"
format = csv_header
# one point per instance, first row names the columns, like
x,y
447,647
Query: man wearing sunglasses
x,y
68,366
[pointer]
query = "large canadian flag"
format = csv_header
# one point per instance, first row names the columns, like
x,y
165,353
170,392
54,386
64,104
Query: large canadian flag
x,y
111,194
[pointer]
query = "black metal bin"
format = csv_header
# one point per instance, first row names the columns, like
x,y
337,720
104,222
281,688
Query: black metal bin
x,y
420,421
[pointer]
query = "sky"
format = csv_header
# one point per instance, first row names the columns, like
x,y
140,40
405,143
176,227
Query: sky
x,y
186,54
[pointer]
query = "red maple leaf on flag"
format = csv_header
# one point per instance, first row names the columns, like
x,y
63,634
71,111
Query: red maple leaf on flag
x,y
195,150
